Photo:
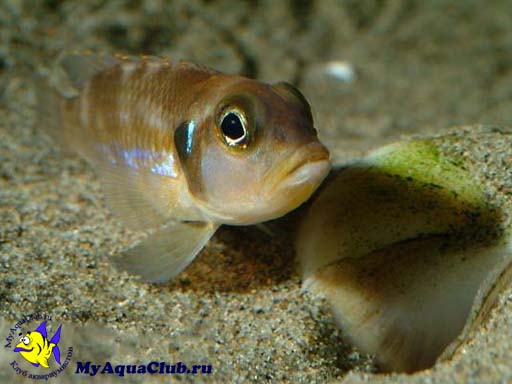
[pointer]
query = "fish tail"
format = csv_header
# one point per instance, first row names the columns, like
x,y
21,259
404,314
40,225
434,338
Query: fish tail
x,y
55,339
56,353
50,112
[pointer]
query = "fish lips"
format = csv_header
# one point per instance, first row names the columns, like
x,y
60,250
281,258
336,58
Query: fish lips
x,y
308,171
20,349
309,164
293,183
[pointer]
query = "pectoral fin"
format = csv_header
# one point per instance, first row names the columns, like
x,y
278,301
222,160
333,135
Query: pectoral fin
x,y
141,199
165,253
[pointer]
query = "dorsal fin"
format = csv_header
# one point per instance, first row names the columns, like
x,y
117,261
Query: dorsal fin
x,y
81,67
197,67
42,329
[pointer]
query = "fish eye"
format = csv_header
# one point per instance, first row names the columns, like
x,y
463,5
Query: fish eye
x,y
233,128
25,340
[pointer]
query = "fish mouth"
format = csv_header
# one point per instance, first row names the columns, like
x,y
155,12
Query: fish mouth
x,y
309,163
303,170
19,349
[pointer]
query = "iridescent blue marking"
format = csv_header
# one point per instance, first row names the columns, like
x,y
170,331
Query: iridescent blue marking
x,y
190,136
165,168
131,156
137,158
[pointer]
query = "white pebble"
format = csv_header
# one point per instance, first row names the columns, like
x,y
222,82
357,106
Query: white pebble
x,y
341,70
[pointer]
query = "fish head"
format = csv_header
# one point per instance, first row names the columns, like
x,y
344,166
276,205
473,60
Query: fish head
x,y
28,342
257,155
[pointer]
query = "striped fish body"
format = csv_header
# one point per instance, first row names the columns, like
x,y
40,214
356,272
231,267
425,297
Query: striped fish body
x,y
42,350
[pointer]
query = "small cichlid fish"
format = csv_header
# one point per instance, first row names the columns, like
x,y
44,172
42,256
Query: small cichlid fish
x,y
181,149
37,349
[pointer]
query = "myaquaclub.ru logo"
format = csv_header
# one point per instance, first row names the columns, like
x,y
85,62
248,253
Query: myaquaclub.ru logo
x,y
37,349
39,356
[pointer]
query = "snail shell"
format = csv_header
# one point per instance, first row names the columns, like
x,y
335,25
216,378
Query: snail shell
x,y
400,243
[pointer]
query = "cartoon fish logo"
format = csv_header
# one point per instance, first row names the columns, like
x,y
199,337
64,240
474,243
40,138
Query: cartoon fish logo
x,y
37,349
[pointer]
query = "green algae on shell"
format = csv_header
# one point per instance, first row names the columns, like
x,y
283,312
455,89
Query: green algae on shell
x,y
399,244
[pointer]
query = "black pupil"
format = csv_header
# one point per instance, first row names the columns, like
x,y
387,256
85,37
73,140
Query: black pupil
x,y
232,127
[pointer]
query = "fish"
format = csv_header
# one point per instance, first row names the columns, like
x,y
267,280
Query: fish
x,y
181,149
37,349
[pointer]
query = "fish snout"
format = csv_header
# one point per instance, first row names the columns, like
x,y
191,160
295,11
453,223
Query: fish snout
x,y
309,162
298,176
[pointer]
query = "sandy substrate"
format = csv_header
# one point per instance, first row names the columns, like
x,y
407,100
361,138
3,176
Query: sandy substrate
x,y
420,68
